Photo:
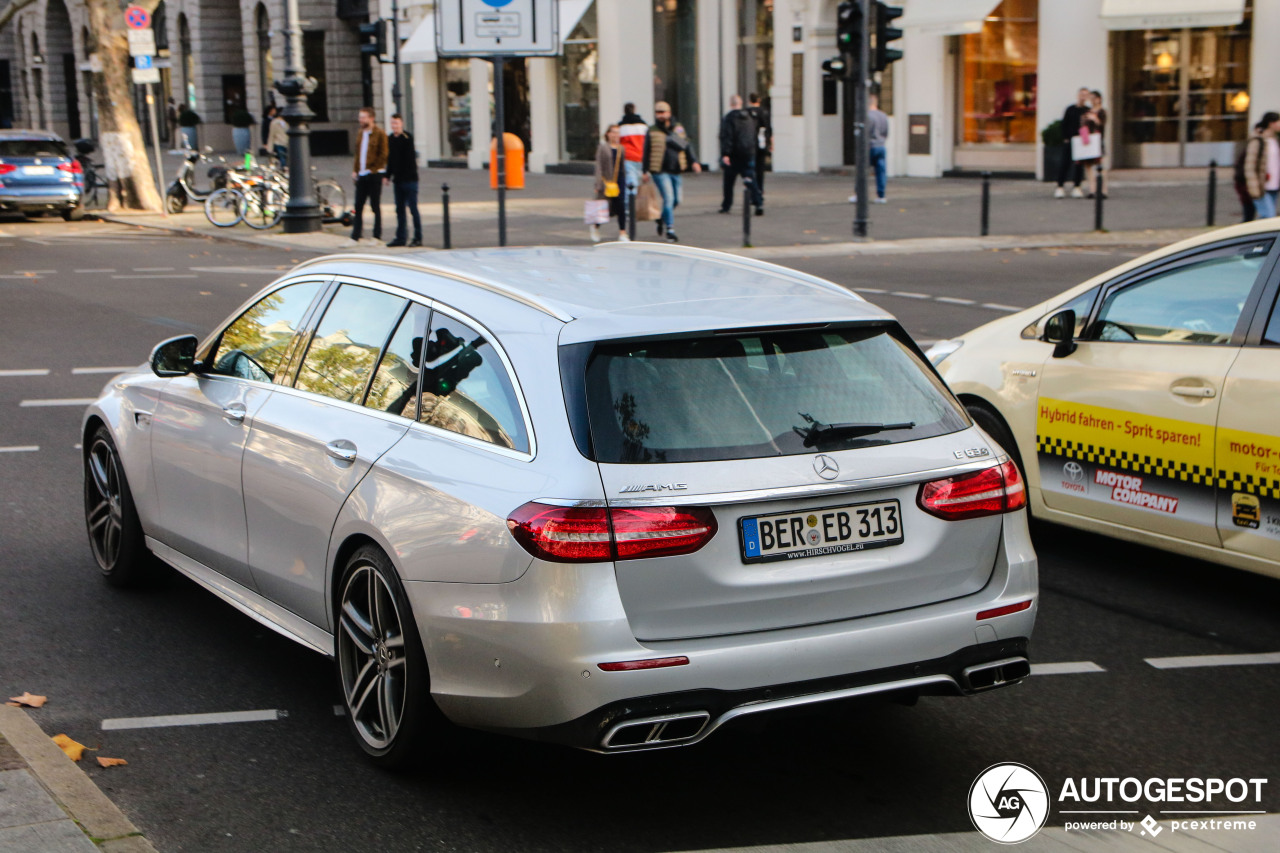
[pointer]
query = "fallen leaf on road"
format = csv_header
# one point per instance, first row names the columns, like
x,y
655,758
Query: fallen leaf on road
x,y
30,700
73,750
111,762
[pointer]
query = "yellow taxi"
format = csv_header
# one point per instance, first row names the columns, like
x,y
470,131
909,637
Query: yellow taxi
x,y
1145,402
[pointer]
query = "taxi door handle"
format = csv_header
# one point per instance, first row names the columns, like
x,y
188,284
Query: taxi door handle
x,y
1198,391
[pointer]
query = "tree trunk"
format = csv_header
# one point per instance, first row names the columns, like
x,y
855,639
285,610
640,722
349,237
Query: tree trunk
x,y
133,185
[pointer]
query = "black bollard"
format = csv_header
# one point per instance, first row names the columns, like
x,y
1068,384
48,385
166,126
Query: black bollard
x,y
631,211
1097,200
986,203
746,213
444,201
1213,192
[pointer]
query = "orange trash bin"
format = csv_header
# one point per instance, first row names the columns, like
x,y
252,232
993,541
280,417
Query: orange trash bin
x,y
515,162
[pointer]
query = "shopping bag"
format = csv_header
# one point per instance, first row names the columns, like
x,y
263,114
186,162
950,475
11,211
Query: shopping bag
x,y
1086,146
595,212
648,203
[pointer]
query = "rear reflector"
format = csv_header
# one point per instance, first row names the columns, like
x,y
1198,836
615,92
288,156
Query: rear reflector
x,y
596,534
650,663
990,491
1004,611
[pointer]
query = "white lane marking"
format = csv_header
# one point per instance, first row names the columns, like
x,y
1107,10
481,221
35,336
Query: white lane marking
x,y
159,275
870,290
28,277
80,371
104,269
241,270
955,300
996,306
168,720
1065,668
906,294
1188,661
35,272
77,447
154,269
35,371
65,401
26,448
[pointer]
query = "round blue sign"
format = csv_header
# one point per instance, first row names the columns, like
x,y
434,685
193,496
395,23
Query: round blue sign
x,y
497,4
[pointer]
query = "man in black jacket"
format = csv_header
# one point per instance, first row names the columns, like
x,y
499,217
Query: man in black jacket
x,y
738,154
402,171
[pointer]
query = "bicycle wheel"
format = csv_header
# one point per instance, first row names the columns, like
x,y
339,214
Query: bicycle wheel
x,y
263,206
224,207
331,198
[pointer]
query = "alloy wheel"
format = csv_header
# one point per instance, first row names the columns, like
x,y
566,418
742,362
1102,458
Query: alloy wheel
x,y
104,507
371,656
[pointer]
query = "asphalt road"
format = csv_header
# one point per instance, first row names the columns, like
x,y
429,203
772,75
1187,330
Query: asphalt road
x,y
297,782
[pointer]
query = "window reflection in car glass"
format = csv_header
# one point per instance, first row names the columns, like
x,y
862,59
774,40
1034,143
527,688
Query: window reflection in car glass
x,y
1198,303
395,383
465,387
252,346
347,342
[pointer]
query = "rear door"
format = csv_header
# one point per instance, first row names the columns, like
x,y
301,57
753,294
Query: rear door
x,y
1126,423
805,534
1249,447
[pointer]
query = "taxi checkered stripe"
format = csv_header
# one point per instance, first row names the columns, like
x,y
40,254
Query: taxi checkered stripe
x,y
1142,464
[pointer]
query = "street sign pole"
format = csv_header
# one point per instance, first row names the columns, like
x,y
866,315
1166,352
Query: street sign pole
x,y
861,141
155,145
395,54
500,147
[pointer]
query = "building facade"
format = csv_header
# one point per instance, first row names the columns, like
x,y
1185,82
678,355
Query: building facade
x,y
980,81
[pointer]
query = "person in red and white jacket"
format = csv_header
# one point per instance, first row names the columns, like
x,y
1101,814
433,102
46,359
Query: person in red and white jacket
x,y
631,131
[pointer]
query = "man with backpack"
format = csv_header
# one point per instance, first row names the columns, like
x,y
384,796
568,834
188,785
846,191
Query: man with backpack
x,y
738,154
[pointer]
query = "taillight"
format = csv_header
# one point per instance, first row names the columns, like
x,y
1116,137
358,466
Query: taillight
x,y
73,167
6,168
597,534
987,492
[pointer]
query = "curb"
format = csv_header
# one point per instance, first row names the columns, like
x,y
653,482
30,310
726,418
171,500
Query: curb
x,y
70,786
220,234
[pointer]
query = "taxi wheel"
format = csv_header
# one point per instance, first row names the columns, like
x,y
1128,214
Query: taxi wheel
x,y
989,419
382,668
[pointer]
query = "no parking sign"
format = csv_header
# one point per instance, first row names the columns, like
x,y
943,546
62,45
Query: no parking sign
x,y
137,18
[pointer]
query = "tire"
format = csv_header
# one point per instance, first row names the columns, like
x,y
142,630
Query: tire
x,y
175,201
264,205
382,668
989,419
115,533
331,198
224,208
74,214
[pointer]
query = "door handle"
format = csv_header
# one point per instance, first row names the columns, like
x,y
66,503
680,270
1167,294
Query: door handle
x,y
1202,392
342,450
234,412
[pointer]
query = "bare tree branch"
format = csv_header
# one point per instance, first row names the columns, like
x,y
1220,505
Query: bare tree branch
x,y
14,7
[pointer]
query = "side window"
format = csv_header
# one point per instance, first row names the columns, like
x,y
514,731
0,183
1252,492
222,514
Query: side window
x,y
1272,335
466,389
1196,303
1081,305
395,385
252,346
347,342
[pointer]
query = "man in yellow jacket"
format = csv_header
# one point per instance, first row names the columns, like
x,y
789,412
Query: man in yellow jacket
x,y
369,169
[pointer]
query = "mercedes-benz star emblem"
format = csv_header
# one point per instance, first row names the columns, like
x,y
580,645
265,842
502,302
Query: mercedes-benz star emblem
x,y
826,467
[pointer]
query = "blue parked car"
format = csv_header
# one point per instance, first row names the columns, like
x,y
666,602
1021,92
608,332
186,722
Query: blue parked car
x,y
38,174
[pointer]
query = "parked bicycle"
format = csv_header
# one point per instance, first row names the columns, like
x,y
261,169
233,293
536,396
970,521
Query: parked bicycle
x,y
258,198
96,192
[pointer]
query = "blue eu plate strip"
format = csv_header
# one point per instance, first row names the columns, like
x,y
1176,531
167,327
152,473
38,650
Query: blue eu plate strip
x,y
751,537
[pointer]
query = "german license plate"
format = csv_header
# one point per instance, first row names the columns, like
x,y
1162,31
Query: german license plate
x,y
820,532
37,170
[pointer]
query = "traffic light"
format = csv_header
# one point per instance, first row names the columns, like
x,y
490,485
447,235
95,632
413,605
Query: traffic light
x,y
881,53
373,38
849,27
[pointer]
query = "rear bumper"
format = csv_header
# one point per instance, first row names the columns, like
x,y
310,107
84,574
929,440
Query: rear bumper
x,y
523,657
43,198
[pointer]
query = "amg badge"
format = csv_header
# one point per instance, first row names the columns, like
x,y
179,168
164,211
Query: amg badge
x,y
656,487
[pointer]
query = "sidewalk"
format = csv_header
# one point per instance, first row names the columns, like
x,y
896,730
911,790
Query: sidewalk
x,y
1148,207
48,804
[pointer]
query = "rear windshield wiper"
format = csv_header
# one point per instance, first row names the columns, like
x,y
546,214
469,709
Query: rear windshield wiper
x,y
818,433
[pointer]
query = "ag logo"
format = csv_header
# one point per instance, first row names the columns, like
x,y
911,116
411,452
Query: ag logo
x,y
1073,472
1008,803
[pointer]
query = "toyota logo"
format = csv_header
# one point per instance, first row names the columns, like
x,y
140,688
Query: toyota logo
x,y
826,467
1073,472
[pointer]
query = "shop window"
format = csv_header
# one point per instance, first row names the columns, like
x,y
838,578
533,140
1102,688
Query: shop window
x,y
998,77
755,48
675,61
455,75
313,58
580,90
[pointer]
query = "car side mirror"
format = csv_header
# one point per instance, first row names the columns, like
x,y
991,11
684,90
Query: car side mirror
x,y
175,357
1060,330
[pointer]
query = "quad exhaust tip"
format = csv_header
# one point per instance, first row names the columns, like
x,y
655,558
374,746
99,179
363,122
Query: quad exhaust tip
x,y
985,676
667,730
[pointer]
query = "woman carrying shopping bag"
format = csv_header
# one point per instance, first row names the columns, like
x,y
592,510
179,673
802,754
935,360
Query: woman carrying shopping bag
x,y
609,202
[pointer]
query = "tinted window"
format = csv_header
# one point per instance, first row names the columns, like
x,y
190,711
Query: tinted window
x,y
1199,302
253,345
32,148
348,341
395,383
763,394
1272,334
466,389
